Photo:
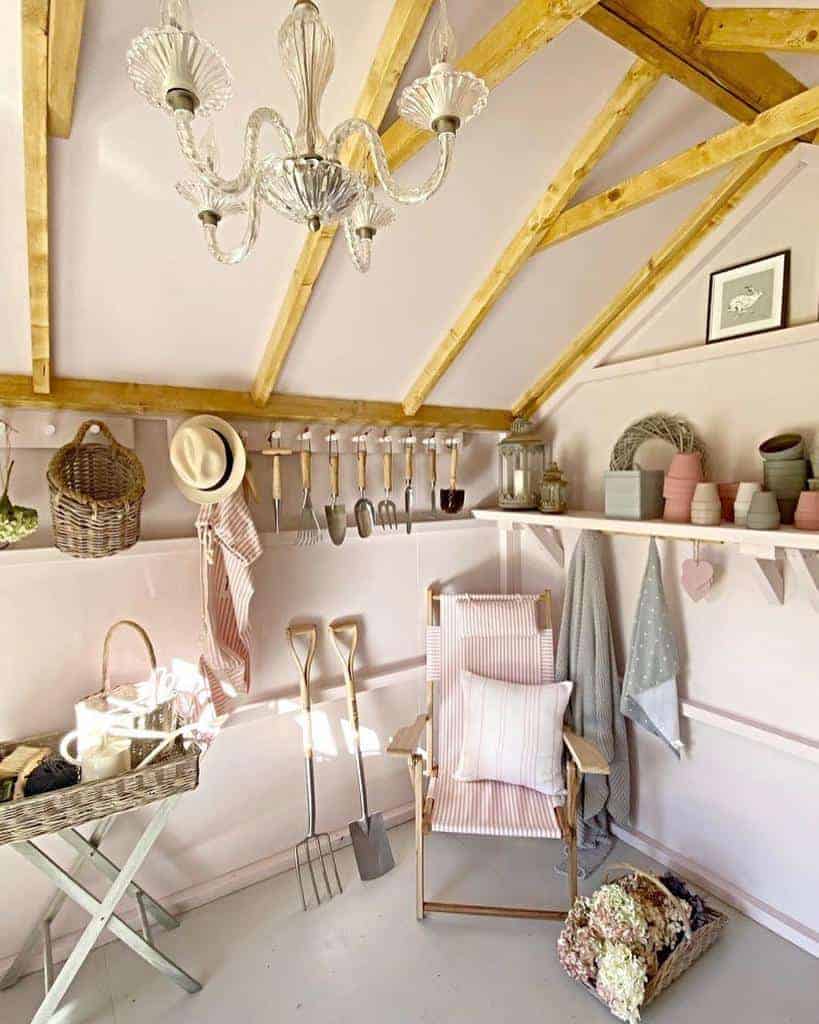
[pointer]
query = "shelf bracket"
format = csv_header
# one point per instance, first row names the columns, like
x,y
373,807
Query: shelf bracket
x,y
767,569
509,537
549,539
805,566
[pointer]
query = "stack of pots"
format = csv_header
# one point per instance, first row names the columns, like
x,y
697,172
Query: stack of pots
x,y
786,470
706,508
681,481
807,511
745,492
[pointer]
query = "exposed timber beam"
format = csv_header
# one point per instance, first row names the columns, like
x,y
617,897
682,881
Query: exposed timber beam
x,y
750,78
34,29
596,141
716,207
65,20
101,396
758,29
767,131
530,25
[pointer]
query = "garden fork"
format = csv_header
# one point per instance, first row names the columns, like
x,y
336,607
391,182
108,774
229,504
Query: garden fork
x,y
311,858
387,513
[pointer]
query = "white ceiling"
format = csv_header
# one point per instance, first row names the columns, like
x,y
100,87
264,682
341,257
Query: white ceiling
x,y
135,296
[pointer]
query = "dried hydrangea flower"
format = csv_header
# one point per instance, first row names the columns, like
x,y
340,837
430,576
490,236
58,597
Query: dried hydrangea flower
x,y
615,915
621,978
578,947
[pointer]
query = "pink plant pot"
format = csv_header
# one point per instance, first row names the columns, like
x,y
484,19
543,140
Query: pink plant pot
x,y
676,511
673,487
686,466
807,511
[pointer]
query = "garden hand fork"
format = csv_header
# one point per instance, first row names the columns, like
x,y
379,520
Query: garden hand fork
x,y
313,852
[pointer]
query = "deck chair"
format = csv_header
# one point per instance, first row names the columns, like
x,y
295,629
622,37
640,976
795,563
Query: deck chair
x,y
442,803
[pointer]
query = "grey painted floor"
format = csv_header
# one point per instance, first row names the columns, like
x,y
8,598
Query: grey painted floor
x,y
363,959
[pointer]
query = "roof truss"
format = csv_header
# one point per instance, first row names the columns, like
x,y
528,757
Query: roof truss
x,y
757,29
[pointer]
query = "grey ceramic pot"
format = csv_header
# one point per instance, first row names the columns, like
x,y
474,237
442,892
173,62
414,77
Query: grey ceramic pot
x,y
782,447
764,512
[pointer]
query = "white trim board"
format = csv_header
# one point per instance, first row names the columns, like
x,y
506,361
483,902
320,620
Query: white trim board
x,y
786,742
801,160
757,910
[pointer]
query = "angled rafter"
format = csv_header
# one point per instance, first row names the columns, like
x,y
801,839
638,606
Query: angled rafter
x,y
65,20
102,396
757,29
34,25
693,231
604,129
530,25
769,130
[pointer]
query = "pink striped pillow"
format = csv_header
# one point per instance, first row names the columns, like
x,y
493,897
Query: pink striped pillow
x,y
513,732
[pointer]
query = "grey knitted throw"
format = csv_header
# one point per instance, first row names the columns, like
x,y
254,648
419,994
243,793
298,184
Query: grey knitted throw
x,y
585,654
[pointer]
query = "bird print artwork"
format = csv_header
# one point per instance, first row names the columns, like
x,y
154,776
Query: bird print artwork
x,y
746,301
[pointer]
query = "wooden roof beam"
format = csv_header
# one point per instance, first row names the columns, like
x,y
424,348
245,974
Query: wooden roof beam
x,y
530,25
100,396
770,129
716,207
595,143
65,21
759,29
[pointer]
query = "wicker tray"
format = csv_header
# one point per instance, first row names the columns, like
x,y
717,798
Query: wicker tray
x,y
89,801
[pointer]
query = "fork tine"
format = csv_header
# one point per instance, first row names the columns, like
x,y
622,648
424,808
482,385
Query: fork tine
x,y
333,860
298,876
323,868
312,872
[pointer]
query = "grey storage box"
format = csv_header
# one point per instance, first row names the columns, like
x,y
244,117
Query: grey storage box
x,y
634,493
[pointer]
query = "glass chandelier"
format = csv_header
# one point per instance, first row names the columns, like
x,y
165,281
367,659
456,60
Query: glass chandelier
x,y
306,179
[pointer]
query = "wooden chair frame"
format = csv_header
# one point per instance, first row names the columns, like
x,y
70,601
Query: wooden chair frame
x,y
415,742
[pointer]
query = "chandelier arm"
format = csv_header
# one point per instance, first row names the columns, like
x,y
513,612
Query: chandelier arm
x,y
232,256
360,248
190,150
408,195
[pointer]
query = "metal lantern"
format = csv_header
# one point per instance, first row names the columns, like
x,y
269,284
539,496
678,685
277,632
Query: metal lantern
x,y
521,457
554,491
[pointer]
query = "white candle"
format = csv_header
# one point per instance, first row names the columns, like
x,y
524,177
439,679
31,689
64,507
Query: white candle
x,y
110,758
520,483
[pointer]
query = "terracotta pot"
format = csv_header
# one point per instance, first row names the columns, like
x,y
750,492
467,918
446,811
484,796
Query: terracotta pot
x,y
813,484
764,512
676,511
686,466
727,496
807,511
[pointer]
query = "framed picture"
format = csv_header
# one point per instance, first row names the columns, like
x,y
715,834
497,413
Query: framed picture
x,y
749,298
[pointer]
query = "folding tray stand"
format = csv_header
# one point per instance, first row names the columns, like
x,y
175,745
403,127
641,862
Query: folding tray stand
x,y
61,813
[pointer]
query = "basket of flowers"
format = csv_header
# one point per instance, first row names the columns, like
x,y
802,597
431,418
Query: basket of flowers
x,y
634,936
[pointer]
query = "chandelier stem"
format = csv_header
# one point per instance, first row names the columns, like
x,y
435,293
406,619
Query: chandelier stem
x,y
409,195
231,256
231,186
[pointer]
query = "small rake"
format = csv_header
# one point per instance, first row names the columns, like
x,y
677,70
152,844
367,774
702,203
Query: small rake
x,y
312,859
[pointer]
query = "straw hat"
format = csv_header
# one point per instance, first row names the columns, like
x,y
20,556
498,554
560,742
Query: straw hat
x,y
208,459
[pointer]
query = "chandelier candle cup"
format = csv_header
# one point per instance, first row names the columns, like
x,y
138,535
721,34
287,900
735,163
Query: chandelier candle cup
x,y
745,492
305,179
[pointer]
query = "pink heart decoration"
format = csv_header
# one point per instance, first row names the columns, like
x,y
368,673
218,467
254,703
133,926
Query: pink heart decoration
x,y
697,578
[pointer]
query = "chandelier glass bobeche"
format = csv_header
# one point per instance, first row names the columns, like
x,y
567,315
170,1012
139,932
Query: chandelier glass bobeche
x,y
305,179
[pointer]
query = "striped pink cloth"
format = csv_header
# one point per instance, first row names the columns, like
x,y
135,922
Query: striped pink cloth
x,y
229,546
498,614
484,808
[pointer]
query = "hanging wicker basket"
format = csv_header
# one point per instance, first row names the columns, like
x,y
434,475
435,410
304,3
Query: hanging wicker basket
x,y
96,495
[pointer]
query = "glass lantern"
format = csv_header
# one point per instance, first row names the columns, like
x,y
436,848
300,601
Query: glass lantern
x,y
521,457
554,491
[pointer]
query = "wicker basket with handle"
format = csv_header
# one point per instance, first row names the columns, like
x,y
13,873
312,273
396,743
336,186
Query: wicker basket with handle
x,y
690,948
96,495
88,801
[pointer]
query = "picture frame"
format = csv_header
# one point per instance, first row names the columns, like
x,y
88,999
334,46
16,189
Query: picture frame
x,y
749,298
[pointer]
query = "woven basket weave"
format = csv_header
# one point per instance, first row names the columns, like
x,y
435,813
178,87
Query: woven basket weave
x,y
88,801
96,495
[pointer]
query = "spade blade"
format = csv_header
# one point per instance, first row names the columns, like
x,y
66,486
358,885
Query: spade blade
x,y
372,848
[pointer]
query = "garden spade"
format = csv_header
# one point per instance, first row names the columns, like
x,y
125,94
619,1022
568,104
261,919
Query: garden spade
x,y
369,834
335,512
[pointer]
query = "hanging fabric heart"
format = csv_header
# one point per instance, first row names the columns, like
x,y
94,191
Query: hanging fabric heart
x,y
697,576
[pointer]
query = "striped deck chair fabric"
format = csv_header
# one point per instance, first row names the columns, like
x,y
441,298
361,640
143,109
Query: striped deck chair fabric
x,y
495,636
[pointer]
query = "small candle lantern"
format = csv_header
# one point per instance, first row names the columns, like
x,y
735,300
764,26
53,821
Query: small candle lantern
x,y
521,457
554,491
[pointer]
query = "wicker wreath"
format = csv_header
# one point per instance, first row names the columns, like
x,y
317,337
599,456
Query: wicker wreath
x,y
673,429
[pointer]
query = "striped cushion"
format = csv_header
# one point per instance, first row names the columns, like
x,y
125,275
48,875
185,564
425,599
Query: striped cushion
x,y
512,733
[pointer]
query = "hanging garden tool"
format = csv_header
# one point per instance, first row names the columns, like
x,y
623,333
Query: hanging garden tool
x,y
364,510
409,491
369,834
276,452
387,513
431,446
310,531
335,513
16,522
452,500
315,851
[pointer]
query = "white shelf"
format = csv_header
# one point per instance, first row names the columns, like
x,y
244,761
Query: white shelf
x,y
727,533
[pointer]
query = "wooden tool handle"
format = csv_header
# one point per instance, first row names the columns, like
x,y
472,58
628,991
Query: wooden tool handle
x,y
306,475
433,465
361,457
334,474
277,478
347,658
408,461
453,467
387,470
